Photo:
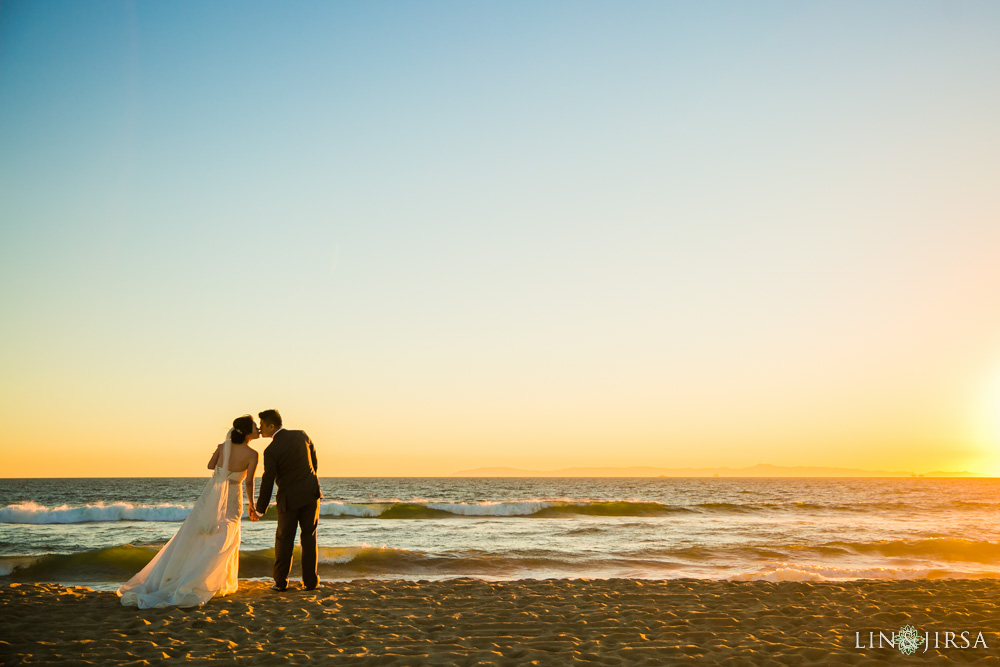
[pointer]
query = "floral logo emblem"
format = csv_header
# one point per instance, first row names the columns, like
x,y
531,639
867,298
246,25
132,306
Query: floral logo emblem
x,y
908,639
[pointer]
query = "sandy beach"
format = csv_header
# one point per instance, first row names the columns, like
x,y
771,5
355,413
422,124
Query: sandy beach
x,y
542,622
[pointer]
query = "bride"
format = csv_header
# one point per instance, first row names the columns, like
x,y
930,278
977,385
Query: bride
x,y
202,558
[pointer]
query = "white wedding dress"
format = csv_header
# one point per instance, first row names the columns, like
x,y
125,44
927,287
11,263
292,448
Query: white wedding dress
x,y
202,559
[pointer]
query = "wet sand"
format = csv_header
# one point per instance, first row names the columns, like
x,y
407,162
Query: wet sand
x,y
541,622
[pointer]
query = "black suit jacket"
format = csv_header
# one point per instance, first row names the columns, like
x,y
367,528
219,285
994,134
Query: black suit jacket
x,y
290,460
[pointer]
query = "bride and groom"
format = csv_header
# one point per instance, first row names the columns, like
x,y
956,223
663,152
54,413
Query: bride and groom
x,y
202,559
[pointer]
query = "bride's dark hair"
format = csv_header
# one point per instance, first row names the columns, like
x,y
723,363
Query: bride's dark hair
x,y
242,427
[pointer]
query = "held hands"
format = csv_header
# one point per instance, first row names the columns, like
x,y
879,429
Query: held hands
x,y
253,514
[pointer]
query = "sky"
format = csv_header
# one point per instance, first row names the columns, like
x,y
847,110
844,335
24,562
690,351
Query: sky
x,y
438,235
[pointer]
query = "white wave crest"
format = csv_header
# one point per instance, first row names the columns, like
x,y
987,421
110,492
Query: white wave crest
x,y
10,563
341,555
494,508
349,509
484,508
30,512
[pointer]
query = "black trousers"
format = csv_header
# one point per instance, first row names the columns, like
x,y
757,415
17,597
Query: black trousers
x,y
305,518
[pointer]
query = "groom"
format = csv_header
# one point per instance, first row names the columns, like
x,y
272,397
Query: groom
x,y
290,460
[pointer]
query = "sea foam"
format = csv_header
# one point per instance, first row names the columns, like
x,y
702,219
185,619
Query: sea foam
x,y
30,512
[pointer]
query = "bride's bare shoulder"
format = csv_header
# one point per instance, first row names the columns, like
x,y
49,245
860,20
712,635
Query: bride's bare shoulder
x,y
250,455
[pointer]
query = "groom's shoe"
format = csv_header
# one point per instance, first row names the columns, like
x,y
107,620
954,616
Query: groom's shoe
x,y
279,589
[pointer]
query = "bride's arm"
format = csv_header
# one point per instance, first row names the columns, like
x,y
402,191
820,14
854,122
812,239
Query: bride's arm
x,y
214,461
249,482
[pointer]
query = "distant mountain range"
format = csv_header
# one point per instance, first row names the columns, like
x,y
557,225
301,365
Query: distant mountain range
x,y
759,470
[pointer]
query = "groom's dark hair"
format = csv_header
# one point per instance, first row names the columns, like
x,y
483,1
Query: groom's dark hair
x,y
270,417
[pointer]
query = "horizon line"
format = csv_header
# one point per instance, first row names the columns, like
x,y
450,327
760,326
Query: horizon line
x,y
967,475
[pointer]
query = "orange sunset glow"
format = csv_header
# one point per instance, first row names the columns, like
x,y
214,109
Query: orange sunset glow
x,y
694,247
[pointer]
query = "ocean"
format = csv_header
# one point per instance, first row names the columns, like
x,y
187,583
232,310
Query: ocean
x,y
99,532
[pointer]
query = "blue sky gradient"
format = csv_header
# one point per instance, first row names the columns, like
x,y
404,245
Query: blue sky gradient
x,y
541,234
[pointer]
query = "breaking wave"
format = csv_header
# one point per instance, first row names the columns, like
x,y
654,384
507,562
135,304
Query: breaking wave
x,y
834,561
33,513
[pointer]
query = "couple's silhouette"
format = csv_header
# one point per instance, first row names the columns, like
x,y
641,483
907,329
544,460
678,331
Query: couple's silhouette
x,y
202,558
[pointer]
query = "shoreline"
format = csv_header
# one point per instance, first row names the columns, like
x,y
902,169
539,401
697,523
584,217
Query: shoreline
x,y
551,621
